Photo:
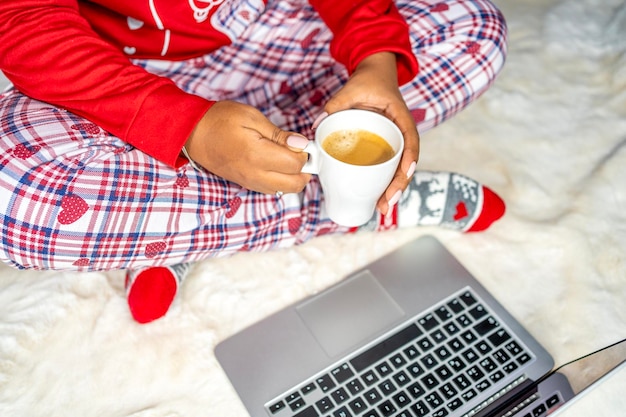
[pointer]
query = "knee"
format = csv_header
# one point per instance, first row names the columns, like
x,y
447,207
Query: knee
x,y
490,31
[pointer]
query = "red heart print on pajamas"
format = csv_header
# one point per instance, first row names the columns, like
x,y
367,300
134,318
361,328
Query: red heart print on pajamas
x,y
294,225
90,128
234,205
418,115
22,151
72,208
439,7
182,181
306,42
81,262
153,249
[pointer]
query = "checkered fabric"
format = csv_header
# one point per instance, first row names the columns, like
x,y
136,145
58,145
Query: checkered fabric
x,y
72,196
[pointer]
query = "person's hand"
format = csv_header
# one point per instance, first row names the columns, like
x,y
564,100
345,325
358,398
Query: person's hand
x,y
238,143
374,86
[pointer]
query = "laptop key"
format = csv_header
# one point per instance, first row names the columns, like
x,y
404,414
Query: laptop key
x,y
401,399
430,381
443,372
420,409
307,412
340,395
454,404
292,397
372,396
443,313
456,306
429,361
442,352
355,386
468,336
501,356
455,344
456,364
297,404
428,322
325,383
384,369
276,407
483,385
509,367
488,365
496,376
462,382
470,355
387,408
415,369
498,337
342,373
411,352
513,348
416,390
433,399
425,344
308,388
324,405
464,320
438,336
386,387
483,347
448,391
357,405
342,412
478,311
440,413
370,378
397,360
469,394
468,298
475,373
401,378
486,326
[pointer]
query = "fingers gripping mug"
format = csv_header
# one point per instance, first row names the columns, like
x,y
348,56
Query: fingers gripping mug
x,y
355,154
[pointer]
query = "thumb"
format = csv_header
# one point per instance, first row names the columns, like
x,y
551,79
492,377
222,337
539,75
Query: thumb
x,y
294,141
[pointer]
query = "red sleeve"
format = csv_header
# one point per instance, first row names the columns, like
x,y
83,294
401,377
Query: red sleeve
x,y
49,52
364,27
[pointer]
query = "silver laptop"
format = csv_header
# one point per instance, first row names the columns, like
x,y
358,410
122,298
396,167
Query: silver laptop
x,y
412,334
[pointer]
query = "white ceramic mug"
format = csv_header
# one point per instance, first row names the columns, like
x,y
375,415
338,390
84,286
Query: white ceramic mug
x,y
351,191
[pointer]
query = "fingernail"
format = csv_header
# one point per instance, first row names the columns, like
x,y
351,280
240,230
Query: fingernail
x,y
394,199
411,169
297,142
319,119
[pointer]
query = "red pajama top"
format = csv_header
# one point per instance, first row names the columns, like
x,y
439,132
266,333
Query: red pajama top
x,y
75,54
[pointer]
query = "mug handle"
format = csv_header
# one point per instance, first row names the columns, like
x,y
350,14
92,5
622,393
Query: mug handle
x,y
312,164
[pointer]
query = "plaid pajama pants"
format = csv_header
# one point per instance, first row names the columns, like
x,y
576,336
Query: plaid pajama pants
x,y
72,196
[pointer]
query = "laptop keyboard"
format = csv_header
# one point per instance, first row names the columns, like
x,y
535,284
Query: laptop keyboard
x,y
430,367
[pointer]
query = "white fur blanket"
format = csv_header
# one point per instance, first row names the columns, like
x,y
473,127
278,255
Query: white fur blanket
x,y
548,137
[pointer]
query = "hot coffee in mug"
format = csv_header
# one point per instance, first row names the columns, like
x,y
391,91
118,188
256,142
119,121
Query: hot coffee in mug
x,y
355,154
358,147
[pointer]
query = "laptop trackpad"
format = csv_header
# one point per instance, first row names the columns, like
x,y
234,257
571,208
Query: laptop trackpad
x,y
348,313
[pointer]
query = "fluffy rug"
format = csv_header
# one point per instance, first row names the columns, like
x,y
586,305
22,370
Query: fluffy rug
x,y
548,137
